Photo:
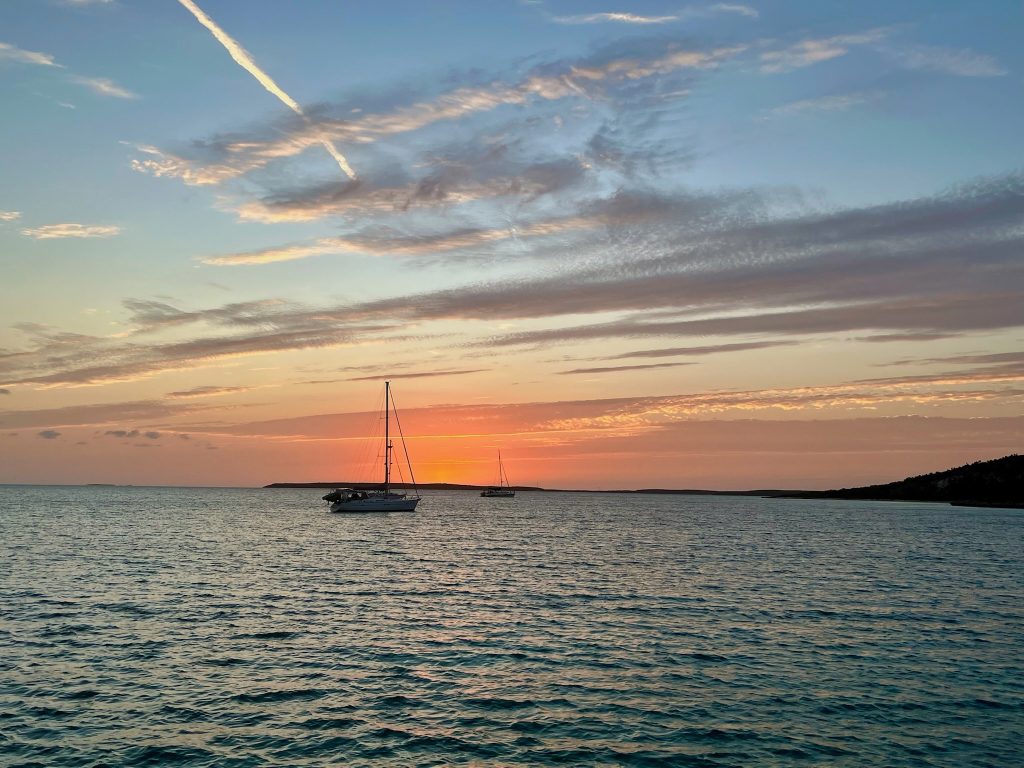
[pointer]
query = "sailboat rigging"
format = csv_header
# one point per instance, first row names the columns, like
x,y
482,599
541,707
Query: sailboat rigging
x,y
503,489
382,499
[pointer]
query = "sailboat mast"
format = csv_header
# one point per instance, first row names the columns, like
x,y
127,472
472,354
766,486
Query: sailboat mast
x,y
387,436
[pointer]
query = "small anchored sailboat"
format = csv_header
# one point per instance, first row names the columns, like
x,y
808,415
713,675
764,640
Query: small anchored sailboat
x,y
502,489
382,499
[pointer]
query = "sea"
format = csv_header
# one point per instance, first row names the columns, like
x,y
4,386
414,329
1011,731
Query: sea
x,y
249,627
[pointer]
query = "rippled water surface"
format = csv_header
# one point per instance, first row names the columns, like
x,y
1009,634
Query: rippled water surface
x,y
248,627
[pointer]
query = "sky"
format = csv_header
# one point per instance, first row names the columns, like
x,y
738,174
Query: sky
x,y
774,244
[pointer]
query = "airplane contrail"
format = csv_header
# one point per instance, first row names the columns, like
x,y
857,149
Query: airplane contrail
x,y
240,55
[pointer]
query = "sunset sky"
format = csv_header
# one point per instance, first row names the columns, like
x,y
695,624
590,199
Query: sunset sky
x,y
630,244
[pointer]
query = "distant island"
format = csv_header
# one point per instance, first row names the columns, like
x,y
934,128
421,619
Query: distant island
x,y
464,487
423,486
995,483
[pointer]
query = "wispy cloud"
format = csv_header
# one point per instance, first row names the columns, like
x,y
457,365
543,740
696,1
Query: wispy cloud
x,y
104,87
75,360
159,163
418,375
70,230
834,103
10,52
458,180
741,10
948,313
625,17
811,51
49,434
244,60
962,62
882,338
585,79
101,85
10,215
206,391
402,246
282,253
620,18
994,358
94,415
619,368
708,349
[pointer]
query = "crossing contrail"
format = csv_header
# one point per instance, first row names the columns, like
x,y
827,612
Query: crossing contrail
x,y
240,55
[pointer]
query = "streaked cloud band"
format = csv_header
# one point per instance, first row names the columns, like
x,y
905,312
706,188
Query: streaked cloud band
x,y
70,230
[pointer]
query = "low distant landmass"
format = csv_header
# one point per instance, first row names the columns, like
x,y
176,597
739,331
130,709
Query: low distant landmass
x,y
423,486
464,487
995,483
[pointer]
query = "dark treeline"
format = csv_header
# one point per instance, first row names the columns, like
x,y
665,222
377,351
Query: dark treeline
x,y
999,481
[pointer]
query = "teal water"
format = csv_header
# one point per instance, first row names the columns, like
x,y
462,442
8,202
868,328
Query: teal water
x,y
248,627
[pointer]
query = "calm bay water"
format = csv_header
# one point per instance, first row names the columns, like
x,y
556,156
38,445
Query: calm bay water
x,y
143,626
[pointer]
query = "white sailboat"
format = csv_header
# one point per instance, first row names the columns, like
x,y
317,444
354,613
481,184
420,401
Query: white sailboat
x,y
503,489
383,499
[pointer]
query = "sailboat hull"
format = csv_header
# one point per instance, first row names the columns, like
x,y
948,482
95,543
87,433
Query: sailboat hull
x,y
375,504
502,493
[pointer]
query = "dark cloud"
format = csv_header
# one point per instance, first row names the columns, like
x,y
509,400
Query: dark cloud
x,y
147,315
206,391
49,434
420,375
4,391
131,433
994,367
996,358
454,176
93,415
120,362
781,263
887,337
926,268
711,349
952,313
615,369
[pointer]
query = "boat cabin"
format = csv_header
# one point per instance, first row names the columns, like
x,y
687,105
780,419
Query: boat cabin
x,y
344,494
